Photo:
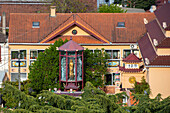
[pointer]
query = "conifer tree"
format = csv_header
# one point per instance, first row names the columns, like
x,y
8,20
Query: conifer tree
x,y
44,72
95,66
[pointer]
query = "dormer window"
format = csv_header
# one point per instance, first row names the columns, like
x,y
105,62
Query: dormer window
x,y
121,24
35,24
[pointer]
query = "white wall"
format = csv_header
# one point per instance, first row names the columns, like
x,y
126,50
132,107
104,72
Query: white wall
x,y
4,57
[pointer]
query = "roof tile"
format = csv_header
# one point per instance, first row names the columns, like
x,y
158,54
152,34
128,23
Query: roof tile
x,y
155,31
146,48
161,60
21,30
132,58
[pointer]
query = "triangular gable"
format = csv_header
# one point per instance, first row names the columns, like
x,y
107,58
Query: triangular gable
x,y
65,26
132,58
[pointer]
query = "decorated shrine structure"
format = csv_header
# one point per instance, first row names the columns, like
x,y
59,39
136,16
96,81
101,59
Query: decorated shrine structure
x,y
131,71
71,66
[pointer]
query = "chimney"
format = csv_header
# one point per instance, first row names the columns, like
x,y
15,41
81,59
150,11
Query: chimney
x,y
4,23
53,11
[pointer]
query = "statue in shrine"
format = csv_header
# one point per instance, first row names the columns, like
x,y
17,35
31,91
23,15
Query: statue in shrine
x,y
71,72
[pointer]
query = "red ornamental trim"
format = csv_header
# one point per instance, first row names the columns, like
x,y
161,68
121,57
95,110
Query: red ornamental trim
x,y
82,70
60,69
66,68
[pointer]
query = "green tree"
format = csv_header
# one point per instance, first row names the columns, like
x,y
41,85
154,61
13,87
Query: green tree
x,y
141,87
44,72
95,66
110,9
74,6
142,4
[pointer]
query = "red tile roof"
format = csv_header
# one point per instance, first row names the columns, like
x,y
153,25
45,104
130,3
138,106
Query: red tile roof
x,y
146,48
165,43
35,6
21,8
163,15
155,31
161,60
132,58
70,46
79,39
130,70
104,25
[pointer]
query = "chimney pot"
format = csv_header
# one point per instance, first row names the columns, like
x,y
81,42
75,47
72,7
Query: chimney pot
x,y
53,11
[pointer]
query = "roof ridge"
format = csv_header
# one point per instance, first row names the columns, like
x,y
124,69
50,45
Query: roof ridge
x,y
92,27
56,27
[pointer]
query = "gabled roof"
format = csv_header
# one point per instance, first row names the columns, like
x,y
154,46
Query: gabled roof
x,y
75,20
146,48
132,58
163,15
99,24
155,31
71,46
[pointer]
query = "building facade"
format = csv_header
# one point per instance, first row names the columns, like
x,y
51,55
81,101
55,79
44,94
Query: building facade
x,y
116,33
155,50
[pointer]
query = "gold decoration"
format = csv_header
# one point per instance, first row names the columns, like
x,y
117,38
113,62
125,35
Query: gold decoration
x,y
132,79
71,73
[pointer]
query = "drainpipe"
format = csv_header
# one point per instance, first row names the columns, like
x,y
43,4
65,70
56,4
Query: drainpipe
x,y
147,75
4,23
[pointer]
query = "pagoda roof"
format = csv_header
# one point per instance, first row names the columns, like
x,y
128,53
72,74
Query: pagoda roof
x,y
130,70
132,58
71,46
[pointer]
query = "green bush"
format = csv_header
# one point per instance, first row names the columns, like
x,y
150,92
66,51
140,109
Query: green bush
x,y
21,111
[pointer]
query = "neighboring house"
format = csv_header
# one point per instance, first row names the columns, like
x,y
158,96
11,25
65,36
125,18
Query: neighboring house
x,y
32,6
155,50
100,2
3,57
31,33
133,10
3,52
16,6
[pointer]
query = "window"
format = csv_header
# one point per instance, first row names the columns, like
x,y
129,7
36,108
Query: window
x,y
136,52
113,54
121,24
128,52
14,76
74,32
95,50
0,19
35,24
34,54
15,56
112,78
